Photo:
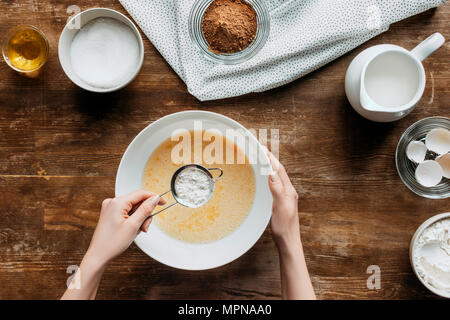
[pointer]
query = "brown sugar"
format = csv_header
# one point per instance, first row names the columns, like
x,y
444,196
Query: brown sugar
x,y
229,26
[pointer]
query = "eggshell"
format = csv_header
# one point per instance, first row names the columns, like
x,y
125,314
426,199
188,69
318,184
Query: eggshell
x,y
429,173
438,140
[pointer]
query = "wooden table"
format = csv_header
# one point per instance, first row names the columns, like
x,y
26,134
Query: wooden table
x,y
60,148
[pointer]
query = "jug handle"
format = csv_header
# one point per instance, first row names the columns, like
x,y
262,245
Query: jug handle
x,y
428,46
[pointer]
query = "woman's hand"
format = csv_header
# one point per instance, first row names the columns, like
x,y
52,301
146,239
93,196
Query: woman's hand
x,y
284,223
295,280
116,229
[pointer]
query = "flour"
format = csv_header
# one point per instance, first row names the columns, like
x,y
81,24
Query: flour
x,y
105,53
431,255
193,187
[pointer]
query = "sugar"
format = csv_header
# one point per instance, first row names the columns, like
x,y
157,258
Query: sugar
x,y
105,53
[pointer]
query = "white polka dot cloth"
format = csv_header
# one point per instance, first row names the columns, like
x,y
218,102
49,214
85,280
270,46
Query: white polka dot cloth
x,y
304,35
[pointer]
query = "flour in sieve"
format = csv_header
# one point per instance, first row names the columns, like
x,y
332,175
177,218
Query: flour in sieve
x,y
193,187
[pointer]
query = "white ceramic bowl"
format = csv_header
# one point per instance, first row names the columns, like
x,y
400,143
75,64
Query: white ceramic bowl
x,y
170,251
419,231
67,35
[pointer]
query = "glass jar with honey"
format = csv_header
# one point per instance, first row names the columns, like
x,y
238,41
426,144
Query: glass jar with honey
x,y
25,49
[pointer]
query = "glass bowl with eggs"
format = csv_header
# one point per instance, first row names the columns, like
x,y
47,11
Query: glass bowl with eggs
x,y
423,157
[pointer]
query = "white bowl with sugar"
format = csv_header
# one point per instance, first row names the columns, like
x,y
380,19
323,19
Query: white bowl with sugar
x,y
101,50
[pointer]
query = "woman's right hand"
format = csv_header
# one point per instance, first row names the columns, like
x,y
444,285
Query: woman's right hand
x,y
116,229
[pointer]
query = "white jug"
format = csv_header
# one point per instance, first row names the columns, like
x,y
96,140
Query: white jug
x,y
385,82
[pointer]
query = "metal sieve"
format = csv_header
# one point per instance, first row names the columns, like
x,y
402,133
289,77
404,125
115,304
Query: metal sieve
x,y
178,200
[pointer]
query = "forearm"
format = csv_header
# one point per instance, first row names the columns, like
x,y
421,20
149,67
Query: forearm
x,y
85,283
295,281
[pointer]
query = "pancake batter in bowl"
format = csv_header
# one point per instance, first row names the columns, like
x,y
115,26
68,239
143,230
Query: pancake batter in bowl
x,y
229,206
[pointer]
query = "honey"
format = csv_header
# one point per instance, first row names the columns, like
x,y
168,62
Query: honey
x,y
227,209
26,49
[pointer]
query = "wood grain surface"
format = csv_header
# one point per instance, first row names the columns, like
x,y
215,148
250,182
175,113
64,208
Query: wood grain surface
x,y
60,148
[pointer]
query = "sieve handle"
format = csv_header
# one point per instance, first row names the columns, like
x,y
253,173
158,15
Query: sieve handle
x,y
216,169
163,209
157,212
